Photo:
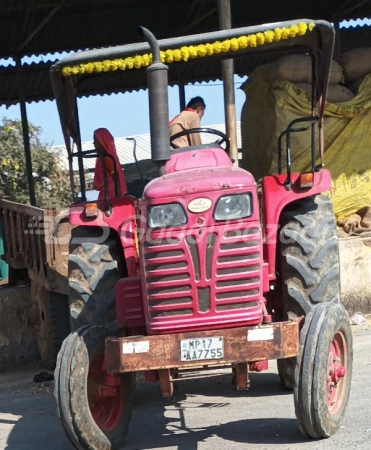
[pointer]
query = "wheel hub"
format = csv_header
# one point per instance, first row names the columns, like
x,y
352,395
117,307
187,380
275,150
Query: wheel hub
x,y
104,395
109,388
336,373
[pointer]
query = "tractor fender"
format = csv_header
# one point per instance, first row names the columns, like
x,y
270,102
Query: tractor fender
x,y
120,222
276,197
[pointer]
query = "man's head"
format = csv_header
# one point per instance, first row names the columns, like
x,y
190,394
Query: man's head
x,y
198,105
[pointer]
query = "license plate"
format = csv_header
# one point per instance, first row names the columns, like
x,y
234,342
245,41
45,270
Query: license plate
x,y
201,349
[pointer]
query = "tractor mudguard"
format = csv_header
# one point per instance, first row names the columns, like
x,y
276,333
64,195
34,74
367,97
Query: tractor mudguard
x,y
276,197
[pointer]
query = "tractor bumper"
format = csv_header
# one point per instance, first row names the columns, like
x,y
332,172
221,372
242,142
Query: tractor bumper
x,y
203,348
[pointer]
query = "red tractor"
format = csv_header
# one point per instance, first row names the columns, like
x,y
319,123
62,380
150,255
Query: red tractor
x,y
211,268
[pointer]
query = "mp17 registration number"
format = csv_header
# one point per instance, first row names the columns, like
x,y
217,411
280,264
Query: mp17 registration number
x,y
201,349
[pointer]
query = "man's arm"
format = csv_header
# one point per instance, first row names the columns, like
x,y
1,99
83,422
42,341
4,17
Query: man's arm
x,y
195,138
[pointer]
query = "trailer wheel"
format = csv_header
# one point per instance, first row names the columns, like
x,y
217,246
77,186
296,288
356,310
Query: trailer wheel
x,y
53,323
309,268
93,270
94,407
323,371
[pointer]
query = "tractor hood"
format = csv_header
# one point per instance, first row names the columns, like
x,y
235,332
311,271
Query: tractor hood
x,y
205,179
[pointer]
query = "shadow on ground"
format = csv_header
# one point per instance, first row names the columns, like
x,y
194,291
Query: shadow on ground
x,y
157,423
161,431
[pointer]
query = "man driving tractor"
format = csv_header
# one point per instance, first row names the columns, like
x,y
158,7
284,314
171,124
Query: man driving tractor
x,y
186,120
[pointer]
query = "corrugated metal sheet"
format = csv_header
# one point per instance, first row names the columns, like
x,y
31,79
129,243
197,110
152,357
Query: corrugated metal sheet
x,y
37,84
81,24
124,148
78,24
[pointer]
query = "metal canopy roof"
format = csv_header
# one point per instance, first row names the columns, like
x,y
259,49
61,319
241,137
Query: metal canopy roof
x,y
45,26
316,38
29,27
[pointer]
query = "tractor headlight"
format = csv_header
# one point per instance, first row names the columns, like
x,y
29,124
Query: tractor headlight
x,y
232,207
161,216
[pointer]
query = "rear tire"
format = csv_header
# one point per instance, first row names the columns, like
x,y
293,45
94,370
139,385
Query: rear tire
x,y
286,372
308,248
323,371
90,420
93,270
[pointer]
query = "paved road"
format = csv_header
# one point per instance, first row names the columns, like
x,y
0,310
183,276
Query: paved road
x,y
208,415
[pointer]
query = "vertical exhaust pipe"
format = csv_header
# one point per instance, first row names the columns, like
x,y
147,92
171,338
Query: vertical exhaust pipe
x,y
158,103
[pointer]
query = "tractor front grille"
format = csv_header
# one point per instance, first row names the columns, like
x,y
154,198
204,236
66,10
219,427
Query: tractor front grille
x,y
203,280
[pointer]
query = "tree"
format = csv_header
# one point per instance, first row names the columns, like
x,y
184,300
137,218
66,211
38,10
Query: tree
x,y
52,184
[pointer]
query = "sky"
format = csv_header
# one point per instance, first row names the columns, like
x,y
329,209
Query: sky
x,y
127,114
124,114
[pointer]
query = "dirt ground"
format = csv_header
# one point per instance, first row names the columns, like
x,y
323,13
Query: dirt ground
x,y
206,415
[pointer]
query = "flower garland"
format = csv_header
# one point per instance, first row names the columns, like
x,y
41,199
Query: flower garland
x,y
192,51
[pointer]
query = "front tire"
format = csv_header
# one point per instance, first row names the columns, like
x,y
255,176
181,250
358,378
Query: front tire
x,y
323,371
92,414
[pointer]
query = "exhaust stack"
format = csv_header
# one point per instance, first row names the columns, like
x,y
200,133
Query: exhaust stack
x,y
158,103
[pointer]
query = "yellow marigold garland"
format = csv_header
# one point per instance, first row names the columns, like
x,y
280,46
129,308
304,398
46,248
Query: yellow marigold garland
x,y
186,53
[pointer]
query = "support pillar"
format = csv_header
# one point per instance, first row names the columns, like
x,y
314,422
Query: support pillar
x,y
337,46
25,130
181,87
225,23
182,97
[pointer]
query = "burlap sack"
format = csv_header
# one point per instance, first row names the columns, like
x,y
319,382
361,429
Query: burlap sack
x,y
336,93
271,106
358,223
298,68
354,87
355,63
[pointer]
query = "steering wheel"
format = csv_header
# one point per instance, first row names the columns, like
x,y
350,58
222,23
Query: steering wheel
x,y
223,137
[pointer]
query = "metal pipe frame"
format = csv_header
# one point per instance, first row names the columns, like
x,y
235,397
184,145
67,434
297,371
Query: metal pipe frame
x,y
139,48
102,155
320,43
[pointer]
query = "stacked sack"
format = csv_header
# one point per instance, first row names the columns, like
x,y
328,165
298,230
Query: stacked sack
x,y
271,91
279,92
297,69
356,64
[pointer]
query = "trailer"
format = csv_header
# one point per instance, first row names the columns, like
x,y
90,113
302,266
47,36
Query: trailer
x,y
36,243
